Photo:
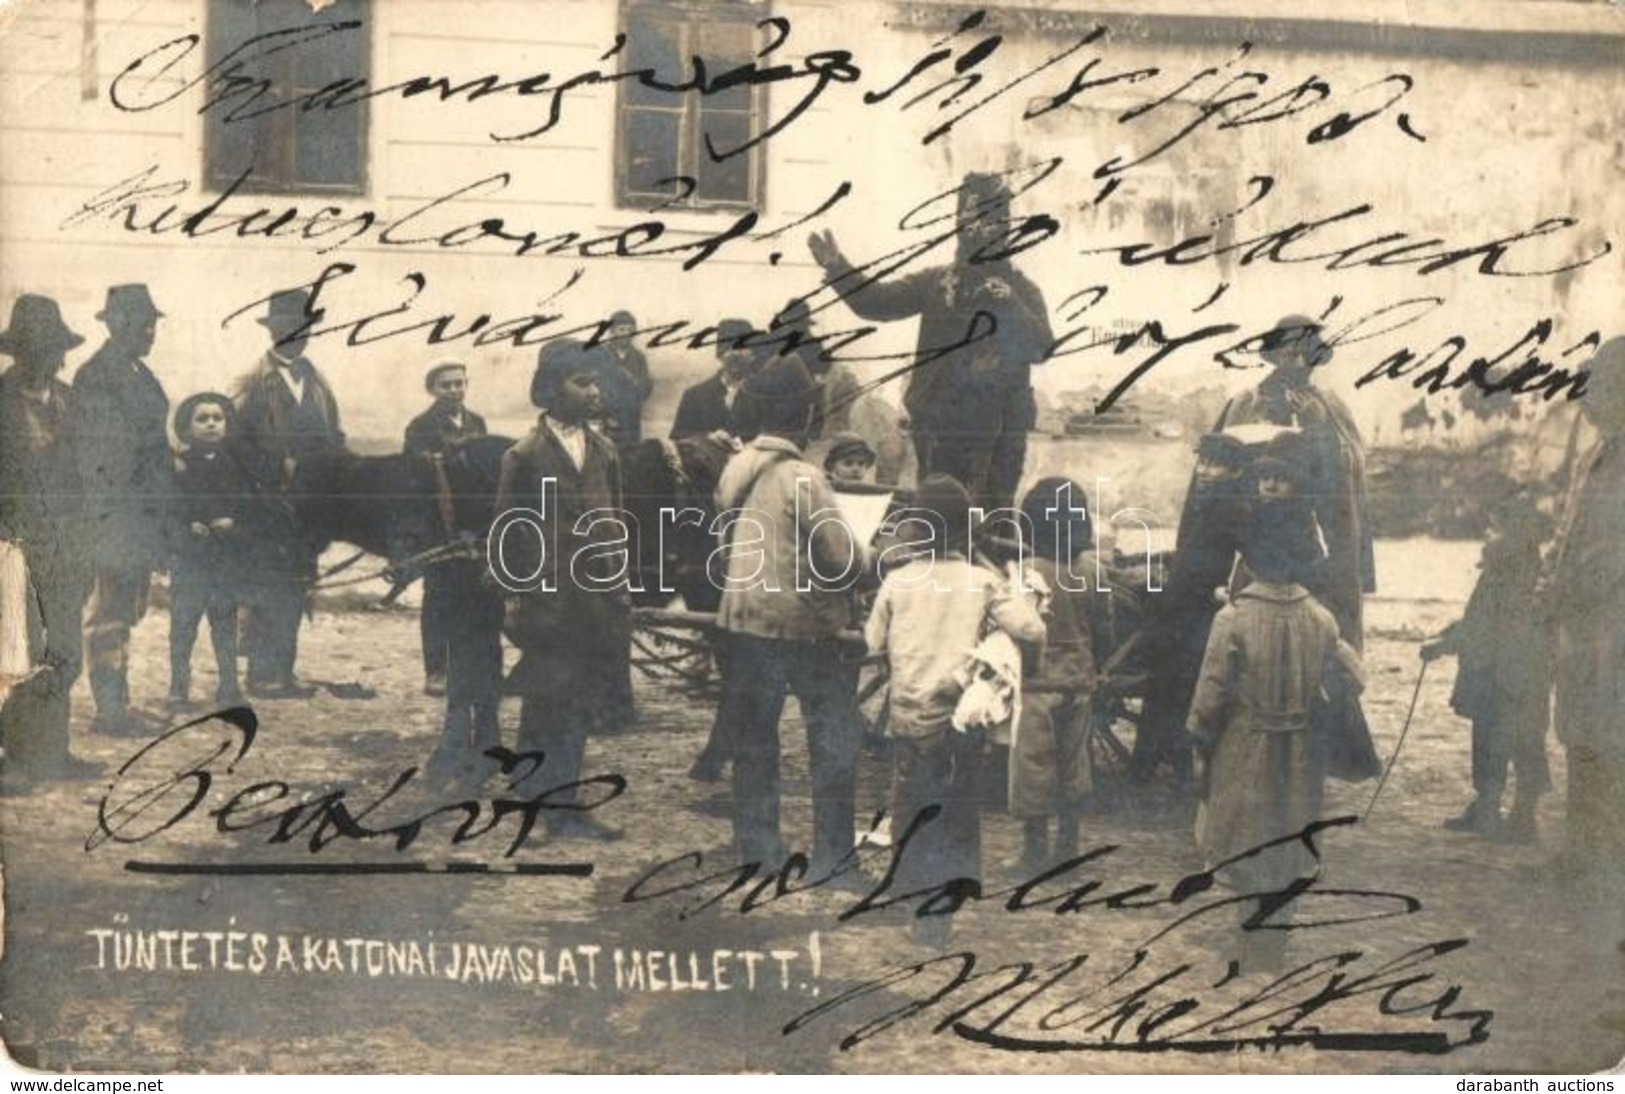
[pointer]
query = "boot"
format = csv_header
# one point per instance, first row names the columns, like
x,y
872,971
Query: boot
x,y
180,689
1521,826
1066,836
1034,847
1481,817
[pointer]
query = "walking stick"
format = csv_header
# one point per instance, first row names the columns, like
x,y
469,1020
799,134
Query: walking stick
x,y
1409,714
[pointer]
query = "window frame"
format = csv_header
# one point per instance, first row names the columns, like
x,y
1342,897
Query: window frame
x,y
285,123
691,17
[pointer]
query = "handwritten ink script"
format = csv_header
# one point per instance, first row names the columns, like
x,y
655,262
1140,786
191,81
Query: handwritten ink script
x,y
1150,995
174,776
962,78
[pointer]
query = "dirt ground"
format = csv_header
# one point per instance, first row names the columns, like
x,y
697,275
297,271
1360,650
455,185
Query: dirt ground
x,y
79,993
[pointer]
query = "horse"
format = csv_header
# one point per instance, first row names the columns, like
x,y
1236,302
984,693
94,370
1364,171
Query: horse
x,y
665,484
416,513
421,512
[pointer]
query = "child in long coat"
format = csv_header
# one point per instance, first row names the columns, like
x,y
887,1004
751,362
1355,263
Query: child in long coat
x,y
1050,772
211,528
1256,720
1504,680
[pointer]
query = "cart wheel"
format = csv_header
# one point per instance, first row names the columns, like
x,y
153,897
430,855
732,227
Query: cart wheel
x,y
1109,754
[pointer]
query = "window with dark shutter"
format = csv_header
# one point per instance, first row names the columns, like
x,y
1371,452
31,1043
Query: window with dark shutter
x,y
301,147
685,148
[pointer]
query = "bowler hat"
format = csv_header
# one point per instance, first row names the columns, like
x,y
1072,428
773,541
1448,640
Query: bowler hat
x,y
732,332
289,310
795,315
132,300
36,327
1293,340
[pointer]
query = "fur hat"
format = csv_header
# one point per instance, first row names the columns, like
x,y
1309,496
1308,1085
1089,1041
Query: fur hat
x,y
777,398
1059,511
557,362
943,503
1279,543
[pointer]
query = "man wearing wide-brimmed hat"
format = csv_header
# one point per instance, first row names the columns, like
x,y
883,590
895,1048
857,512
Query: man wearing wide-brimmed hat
x,y
286,413
120,414
40,507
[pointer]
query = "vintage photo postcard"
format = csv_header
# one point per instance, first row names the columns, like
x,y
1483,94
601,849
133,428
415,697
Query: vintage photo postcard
x,y
802,536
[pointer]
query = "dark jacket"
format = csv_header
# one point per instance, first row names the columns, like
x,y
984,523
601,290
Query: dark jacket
x,y
273,427
569,616
703,409
946,390
121,418
210,484
434,431
41,499
626,385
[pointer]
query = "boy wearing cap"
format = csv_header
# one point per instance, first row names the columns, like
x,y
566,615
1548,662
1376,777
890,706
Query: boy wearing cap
x,y
121,412
447,423
1503,680
574,623
850,460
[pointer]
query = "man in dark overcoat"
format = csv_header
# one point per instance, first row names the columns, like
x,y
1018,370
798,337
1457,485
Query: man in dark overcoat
x,y
708,406
286,413
433,434
40,512
627,383
121,415
573,624
983,326
1588,601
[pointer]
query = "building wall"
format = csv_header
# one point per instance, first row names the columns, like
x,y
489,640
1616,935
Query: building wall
x,y
1508,143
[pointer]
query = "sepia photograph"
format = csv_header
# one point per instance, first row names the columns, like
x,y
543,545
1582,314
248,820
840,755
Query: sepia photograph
x,y
881,537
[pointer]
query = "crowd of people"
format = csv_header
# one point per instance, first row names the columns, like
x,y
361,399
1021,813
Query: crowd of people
x,y
992,655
